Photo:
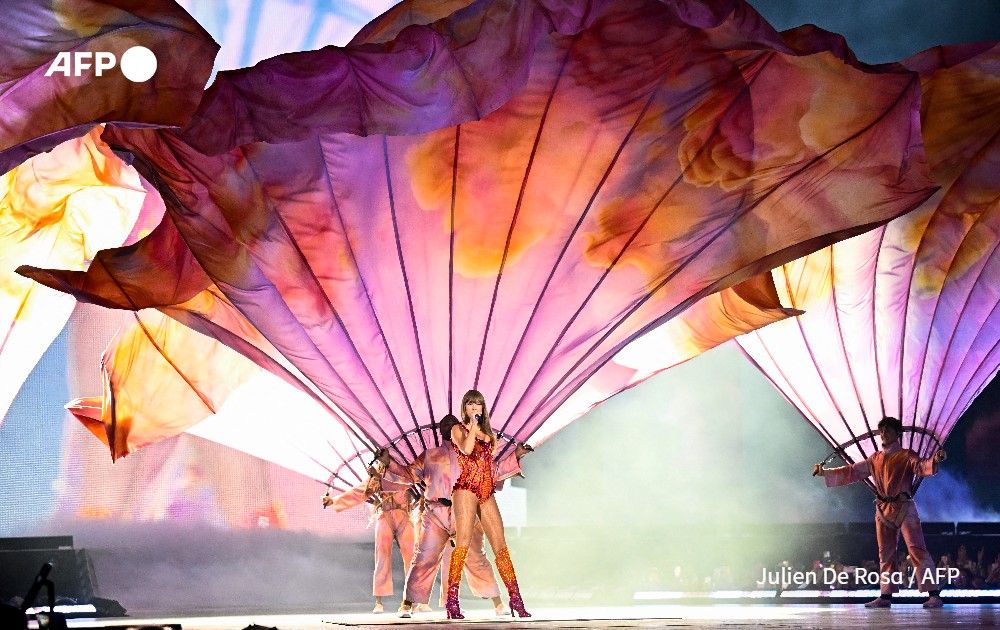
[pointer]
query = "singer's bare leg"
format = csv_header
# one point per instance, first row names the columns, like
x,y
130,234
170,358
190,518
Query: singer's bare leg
x,y
489,516
464,508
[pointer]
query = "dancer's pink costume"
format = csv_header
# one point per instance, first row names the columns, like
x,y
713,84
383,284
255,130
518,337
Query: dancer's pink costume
x,y
892,470
393,509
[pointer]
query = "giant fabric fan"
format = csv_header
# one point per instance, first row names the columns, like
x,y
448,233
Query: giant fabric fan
x,y
904,321
503,198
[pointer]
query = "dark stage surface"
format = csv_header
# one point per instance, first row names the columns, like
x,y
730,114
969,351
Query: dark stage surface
x,y
727,616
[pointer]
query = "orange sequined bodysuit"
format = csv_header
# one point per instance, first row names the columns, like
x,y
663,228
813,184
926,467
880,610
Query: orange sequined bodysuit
x,y
477,471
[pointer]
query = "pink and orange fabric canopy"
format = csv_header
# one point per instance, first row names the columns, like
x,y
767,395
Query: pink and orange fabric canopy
x,y
493,195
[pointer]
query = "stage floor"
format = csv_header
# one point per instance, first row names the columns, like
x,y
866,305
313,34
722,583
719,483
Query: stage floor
x,y
809,617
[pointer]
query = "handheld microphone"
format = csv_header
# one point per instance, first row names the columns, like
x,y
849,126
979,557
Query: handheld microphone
x,y
479,420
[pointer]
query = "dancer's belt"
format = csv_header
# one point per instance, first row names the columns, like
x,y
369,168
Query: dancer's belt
x,y
902,496
389,505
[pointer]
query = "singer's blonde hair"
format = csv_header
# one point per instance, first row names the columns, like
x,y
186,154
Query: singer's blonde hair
x,y
474,396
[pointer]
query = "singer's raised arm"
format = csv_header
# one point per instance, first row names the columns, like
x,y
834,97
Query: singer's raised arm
x,y
464,438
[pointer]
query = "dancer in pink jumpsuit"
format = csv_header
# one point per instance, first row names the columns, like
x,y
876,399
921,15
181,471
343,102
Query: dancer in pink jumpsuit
x,y
892,470
437,470
392,512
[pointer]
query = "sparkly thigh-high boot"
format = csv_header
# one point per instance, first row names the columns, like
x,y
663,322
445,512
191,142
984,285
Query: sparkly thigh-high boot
x,y
454,581
506,569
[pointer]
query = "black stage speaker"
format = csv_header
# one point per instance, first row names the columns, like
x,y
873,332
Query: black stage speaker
x,y
72,573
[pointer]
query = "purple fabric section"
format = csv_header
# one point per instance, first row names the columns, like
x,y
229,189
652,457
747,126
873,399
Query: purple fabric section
x,y
61,106
431,75
427,78
12,156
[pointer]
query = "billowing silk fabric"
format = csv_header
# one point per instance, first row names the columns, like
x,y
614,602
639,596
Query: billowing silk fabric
x,y
162,377
60,208
56,210
40,111
404,220
904,321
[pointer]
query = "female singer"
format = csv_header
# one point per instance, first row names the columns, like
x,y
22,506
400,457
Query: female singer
x,y
472,496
